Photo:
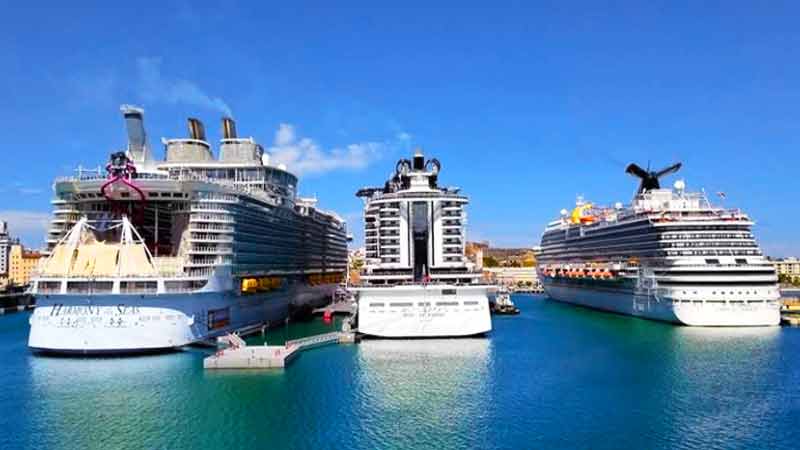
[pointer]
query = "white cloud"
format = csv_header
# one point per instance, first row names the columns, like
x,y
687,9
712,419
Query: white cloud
x,y
20,189
303,155
156,88
29,226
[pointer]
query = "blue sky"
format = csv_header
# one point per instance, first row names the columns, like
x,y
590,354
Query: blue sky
x,y
526,105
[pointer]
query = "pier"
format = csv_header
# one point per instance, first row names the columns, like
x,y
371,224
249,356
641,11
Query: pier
x,y
239,355
15,302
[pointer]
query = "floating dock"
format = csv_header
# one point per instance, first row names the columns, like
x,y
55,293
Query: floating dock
x,y
239,355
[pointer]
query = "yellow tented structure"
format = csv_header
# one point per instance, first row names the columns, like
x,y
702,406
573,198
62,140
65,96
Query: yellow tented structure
x,y
133,261
84,262
60,261
80,255
105,259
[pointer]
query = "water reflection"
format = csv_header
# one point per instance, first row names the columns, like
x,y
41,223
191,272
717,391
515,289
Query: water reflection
x,y
721,383
431,391
103,402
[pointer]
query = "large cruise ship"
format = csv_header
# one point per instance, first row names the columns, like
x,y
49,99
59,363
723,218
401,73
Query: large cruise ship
x,y
150,255
417,281
671,255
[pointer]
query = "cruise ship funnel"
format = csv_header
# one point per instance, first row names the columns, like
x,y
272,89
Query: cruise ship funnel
x,y
196,129
137,138
228,128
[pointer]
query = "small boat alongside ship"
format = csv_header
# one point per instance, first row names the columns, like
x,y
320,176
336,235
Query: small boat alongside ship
x,y
151,255
417,282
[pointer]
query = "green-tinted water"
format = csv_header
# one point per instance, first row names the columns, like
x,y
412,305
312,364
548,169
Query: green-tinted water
x,y
555,376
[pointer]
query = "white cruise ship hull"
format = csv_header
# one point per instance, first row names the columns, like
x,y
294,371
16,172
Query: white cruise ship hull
x,y
691,313
423,311
128,324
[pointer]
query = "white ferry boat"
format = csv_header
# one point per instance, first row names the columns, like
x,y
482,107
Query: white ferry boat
x,y
151,255
416,281
671,255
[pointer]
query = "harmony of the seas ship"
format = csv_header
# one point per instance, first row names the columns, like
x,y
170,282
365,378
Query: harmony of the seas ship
x,y
416,281
671,255
150,255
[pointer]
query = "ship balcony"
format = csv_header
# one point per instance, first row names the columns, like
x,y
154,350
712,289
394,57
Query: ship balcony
x,y
451,208
195,229
210,252
208,209
452,215
390,219
211,239
65,211
206,264
210,219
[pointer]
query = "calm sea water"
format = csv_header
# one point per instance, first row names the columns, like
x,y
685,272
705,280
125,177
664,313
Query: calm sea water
x,y
555,376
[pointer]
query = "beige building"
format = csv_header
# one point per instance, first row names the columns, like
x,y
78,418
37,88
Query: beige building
x,y
21,264
787,266
509,276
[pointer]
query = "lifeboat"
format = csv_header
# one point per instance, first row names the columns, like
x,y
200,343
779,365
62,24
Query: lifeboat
x,y
249,285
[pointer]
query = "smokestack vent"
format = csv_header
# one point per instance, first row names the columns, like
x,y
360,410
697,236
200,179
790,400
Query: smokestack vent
x,y
228,128
196,129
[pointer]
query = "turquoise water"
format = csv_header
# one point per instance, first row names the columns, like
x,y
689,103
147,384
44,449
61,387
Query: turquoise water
x,y
555,376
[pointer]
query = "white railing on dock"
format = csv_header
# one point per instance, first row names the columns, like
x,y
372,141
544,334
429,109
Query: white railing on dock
x,y
311,341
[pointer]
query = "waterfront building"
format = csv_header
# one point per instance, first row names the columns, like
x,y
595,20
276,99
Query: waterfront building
x,y
417,281
512,276
21,263
671,255
788,269
5,244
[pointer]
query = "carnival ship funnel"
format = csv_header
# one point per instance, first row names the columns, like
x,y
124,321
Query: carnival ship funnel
x,y
650,178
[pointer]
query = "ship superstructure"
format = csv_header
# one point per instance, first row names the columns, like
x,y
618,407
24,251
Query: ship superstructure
x,y
416,280
671,255
148,255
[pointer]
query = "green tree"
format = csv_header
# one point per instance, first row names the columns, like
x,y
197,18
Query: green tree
x,y
490,261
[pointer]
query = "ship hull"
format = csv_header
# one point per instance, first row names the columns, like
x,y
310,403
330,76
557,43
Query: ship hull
x,y
423,311
708,314
130,324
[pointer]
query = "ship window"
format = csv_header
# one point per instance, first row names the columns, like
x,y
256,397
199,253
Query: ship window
x,y
424,304
446,303
376,305
448,292
49,287
471,302
741,261
401,304
102,286
138,286
712,261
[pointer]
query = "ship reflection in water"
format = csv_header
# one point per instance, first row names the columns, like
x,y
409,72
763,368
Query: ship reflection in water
x,y
426,385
